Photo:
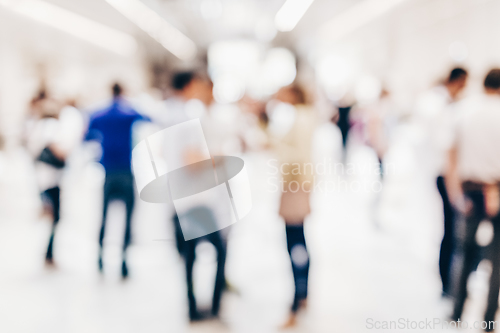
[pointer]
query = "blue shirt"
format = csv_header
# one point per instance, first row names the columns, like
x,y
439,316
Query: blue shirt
x,y
112,127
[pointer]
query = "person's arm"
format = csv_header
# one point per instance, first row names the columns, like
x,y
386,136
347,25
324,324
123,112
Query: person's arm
x,y
145,118
453,182
491,199
93,132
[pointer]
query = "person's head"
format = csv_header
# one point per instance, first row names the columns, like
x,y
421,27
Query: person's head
x,y
37,100
117,90
44,106
492,81
293,94
456,81
183,84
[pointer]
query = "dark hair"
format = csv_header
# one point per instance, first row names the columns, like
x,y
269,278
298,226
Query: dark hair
x,y
492,80
182,79
42,94
457,73
117,90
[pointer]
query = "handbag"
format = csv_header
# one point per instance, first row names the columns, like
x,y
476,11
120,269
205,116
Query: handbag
x,y
48,157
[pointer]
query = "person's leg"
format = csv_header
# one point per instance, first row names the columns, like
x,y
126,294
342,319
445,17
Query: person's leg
x,y
344,125
189,257
299,256
300,266
494,249
128,197
53,195
468,251
220,278
106,199
381,167
179,237
447,244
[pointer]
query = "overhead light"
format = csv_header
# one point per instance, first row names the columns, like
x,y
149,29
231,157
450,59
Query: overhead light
x,y
264,30
278,69
74,24
157,27
355,17
290,14
228,89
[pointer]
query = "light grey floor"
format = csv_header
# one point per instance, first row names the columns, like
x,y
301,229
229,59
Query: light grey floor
x,y
366,262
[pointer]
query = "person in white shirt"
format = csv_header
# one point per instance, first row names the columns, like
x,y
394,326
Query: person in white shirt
x,y
436,112
192,97
52,132
380,124
473,179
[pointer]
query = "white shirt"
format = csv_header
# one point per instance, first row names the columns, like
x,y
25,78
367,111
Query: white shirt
x,y
65,131
381,123
435,113
218,128
178,111
478,139
213,140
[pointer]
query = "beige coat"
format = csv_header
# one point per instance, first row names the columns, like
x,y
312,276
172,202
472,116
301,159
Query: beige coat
x,y
294,155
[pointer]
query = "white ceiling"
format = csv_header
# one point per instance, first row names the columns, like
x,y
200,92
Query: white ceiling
x,y
239,17
410,41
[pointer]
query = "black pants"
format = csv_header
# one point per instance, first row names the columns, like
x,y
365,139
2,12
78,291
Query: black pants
x,y
118,186
189,252
179,237
469,255
296,244
52,198
448,243
344,124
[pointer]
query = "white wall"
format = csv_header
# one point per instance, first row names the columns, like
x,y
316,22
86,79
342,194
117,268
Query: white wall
x,y
31,52
408,48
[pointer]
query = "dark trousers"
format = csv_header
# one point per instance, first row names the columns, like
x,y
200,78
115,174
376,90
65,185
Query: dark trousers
x,y
344,123
118,186
296,244
381,167
469,256
220,281
448,243
187,249
52,198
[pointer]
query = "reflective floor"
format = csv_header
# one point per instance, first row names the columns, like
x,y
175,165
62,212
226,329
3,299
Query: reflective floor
x,y
372,255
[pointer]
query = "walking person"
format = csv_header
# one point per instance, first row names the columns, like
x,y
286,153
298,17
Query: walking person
x,y
53,131
380,124
436,109
112,128
294,149
192,98
185,88
473,180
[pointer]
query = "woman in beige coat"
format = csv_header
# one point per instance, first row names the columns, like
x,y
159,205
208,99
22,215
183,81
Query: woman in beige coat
x,y
294,154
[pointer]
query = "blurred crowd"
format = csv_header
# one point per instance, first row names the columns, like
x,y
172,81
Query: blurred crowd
x,y
459,135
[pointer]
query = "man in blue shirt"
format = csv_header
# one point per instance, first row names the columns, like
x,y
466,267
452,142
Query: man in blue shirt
x,y
112,128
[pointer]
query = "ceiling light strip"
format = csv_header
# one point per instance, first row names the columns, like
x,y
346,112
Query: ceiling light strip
x,y
355,17
74,24
157,27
